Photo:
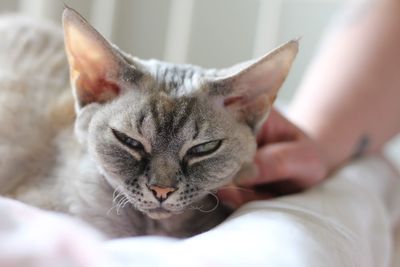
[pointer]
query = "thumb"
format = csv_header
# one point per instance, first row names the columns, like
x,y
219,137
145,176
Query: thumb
x,y
296,161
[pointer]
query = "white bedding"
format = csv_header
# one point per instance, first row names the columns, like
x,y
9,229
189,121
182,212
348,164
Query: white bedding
x,y
346,221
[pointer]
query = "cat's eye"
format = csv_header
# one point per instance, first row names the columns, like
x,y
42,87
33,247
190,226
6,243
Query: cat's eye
x,y
204,148
127,141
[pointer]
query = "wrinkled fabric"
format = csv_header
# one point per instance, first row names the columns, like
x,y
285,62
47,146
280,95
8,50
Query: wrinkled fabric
x,y
348,220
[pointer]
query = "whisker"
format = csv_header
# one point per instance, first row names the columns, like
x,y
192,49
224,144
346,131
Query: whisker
x,y
200,208
113,203
117,193
126,203
238,188
122,204
118,197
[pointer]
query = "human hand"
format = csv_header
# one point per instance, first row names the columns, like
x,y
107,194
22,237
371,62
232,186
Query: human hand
x,y
286,161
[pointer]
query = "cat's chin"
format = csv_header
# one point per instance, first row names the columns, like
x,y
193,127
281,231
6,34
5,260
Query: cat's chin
x,y
159,214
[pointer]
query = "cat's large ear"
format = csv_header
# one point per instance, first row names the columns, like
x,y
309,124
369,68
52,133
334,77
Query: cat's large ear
x,y
97,69
252,88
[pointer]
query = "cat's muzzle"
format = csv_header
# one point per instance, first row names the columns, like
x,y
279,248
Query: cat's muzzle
x,y
159,213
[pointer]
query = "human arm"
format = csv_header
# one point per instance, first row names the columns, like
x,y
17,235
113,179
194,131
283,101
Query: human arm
x,y
349,101
348,104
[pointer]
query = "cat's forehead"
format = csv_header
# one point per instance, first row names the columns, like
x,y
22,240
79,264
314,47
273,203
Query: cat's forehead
x,y
172,101
157,112
167,122
170,115
176,79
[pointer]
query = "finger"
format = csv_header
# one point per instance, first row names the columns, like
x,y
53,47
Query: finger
x,y
277,129
230,197
294,160
234,198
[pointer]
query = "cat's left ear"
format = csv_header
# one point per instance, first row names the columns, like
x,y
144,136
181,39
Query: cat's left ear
x,y
97,69
252,88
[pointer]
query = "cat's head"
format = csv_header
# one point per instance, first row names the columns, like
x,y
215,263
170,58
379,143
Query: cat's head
x,y
166,135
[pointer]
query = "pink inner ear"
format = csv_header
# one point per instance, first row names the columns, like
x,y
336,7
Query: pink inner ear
x,y
233,100
98,90
91,81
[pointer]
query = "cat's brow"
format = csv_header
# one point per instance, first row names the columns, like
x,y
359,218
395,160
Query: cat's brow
x,y
154,114
196,130
185,113
139,122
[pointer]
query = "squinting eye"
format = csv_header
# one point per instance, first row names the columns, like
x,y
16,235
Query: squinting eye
x,y
127,141
204,149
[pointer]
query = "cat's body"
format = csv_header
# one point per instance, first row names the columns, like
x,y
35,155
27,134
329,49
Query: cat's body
x,y
42,163
51,162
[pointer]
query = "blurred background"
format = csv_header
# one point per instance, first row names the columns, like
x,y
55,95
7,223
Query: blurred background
x,y
210,33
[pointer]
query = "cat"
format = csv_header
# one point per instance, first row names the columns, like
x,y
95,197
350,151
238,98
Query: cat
x,y
140,146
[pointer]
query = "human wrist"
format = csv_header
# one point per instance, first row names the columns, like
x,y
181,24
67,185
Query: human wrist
x,y
338,148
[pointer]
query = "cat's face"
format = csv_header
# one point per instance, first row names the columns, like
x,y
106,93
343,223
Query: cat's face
x,y
184,145
166,135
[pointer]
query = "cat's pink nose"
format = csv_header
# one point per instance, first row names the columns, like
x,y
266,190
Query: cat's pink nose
x,y
161,193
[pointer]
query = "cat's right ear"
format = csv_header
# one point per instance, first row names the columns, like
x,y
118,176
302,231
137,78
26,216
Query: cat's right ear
x,y
97,69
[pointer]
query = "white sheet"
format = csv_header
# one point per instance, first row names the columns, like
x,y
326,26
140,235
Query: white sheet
x,y
346,221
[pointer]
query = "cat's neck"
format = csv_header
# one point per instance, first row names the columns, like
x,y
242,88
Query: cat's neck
x,y
192,222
